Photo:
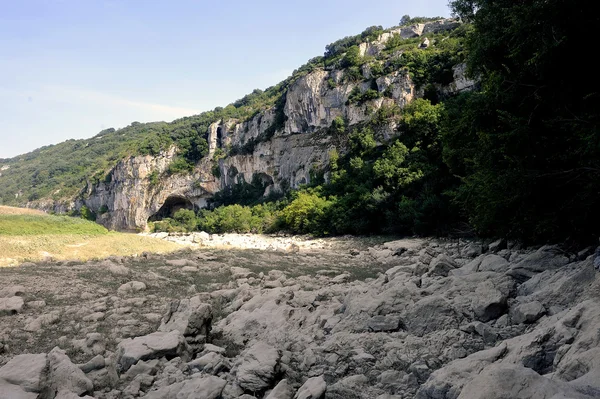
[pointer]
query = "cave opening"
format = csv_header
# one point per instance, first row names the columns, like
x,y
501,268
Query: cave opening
x,y
171,205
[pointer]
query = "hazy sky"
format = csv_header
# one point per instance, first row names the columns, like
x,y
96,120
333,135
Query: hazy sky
x,y
70,68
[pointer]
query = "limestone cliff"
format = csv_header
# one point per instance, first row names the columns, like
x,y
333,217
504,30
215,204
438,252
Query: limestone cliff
x,y
281,150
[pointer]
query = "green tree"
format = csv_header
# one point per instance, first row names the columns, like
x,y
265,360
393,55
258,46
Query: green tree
x,y
531,165
352,57
306,213
186,218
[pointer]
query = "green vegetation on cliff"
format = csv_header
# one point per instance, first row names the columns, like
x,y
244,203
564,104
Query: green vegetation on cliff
x,y
518,157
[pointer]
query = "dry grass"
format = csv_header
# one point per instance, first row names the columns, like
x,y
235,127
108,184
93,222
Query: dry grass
x,y
31,235
18,249
10,210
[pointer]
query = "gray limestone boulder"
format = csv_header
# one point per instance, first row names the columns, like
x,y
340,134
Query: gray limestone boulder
x,y
352,387
527,312
257,367
493,263
151,346
12,290
448,381
441,265
283,390
11,306
313,388
500,381
488,303
191,317
66,376
388,323
472,250
10,391
205,387
497,245
131,288
25,371
547,257
418,318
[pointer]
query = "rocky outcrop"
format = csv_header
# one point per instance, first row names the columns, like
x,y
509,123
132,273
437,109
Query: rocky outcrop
x,y
138,187
280,146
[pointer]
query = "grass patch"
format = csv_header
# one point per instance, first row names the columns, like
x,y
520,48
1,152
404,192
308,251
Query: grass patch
x,y
23,225
11,210
29,235
35,247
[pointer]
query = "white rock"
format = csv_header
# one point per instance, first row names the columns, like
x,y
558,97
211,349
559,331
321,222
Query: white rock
x,y
131,287
201,387
25,371
283,390
313,388
151,346
258,366
10,306
64,375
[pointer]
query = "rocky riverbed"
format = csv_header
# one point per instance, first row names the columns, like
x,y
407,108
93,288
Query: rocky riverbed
x,y
337,318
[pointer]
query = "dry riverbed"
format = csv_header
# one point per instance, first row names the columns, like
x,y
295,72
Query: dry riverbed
x,y
302,318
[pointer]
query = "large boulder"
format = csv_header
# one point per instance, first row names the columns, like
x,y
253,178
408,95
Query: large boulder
x,y
25,371
448,381
547,257
191,317
12,290
10,306
493,263
502,381
488,303
527,312
66,376
152,346
431,314
441,265
10,391
313,388
131,288
204,387
258,367
283,390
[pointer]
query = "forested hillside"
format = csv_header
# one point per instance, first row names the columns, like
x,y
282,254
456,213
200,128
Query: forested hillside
x,y
519,157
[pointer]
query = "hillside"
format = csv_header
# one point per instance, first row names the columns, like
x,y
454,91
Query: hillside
x,y
59,177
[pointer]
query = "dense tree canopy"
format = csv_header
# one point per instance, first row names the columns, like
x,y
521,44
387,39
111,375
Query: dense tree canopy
x,y
527,145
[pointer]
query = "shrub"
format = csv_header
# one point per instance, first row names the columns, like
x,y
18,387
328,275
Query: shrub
x,y
87,214
306,213
179,165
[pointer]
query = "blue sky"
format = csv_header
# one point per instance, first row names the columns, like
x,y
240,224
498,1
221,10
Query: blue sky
x,y
70,68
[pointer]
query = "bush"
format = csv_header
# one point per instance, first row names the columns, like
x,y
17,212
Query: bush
x,y
186,218
179,165
87,214
230,219
307,213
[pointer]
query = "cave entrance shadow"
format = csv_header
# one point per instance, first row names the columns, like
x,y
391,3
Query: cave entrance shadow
x,y
172,204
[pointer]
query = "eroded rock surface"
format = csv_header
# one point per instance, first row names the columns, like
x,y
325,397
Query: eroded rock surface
x,y
415,318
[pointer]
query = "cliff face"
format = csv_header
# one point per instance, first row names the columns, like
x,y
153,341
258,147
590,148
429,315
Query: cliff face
x,y
132,196
280,154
